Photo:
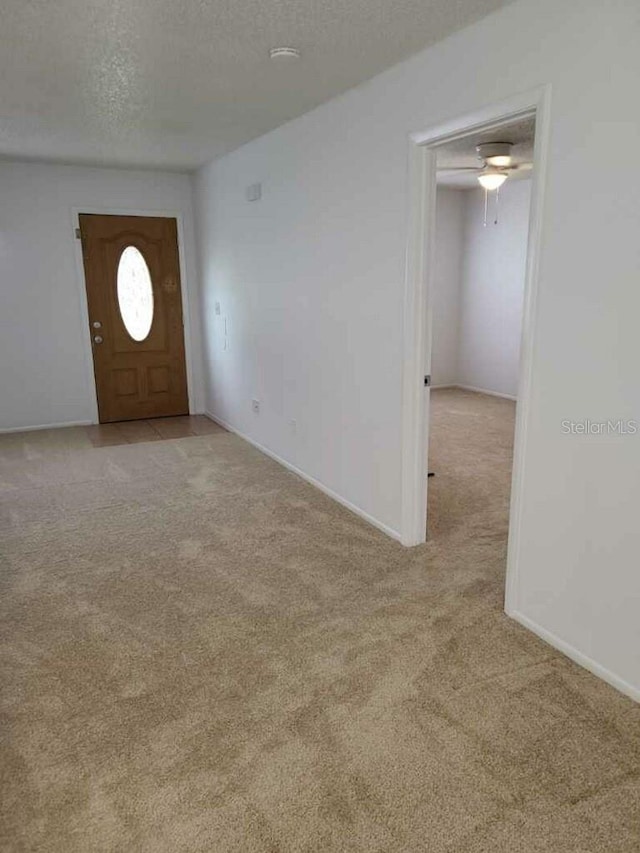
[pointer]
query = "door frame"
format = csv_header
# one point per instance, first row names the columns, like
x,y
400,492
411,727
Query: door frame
x,y
84,307
419,278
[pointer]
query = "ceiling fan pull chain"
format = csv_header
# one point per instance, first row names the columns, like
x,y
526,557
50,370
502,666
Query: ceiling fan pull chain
x,y
495,221
486,202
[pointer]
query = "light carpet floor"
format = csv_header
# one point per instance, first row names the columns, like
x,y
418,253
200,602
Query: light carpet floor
x,y
201,652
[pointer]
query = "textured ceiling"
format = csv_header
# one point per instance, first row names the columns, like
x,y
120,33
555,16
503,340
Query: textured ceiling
x,y
463,152
174,83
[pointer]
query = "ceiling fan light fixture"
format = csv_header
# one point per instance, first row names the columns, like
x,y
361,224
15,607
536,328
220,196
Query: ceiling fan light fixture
x,y
492,180
497,154
500,160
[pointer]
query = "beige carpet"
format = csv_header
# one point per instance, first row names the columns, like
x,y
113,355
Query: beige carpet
x,y
200,652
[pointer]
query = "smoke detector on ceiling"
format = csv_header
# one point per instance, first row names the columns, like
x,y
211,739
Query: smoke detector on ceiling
x,y
284,53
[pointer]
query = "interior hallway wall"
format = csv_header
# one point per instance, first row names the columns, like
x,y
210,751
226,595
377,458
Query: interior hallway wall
x,y
492,289
450,208
46,374
311,282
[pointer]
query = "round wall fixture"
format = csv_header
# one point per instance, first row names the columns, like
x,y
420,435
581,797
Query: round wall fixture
x,y
284,53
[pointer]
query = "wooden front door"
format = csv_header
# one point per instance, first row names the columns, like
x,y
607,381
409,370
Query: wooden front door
x,y
132,276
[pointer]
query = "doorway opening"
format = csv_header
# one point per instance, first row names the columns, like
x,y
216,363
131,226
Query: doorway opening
x,y
134,300
477,298
489,124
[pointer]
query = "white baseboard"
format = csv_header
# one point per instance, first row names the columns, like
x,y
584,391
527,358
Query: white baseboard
x,y
35,427
394,534
576,656
485,391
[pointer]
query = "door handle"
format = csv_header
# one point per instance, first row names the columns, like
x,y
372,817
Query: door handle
x,y
97,339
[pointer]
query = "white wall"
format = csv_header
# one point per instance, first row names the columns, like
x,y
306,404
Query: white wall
x,y
46,374
492,291
311,280
447,282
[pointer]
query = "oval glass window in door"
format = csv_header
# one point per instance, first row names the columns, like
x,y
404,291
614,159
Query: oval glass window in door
x,y
135,293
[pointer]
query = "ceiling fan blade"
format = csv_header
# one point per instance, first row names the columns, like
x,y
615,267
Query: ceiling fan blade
x,y
459,168
521,167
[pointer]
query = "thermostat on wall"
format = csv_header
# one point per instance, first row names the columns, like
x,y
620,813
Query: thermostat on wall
x,y
254,192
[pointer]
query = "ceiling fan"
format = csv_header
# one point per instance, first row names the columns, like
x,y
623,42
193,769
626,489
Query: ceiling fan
x,y
497,164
